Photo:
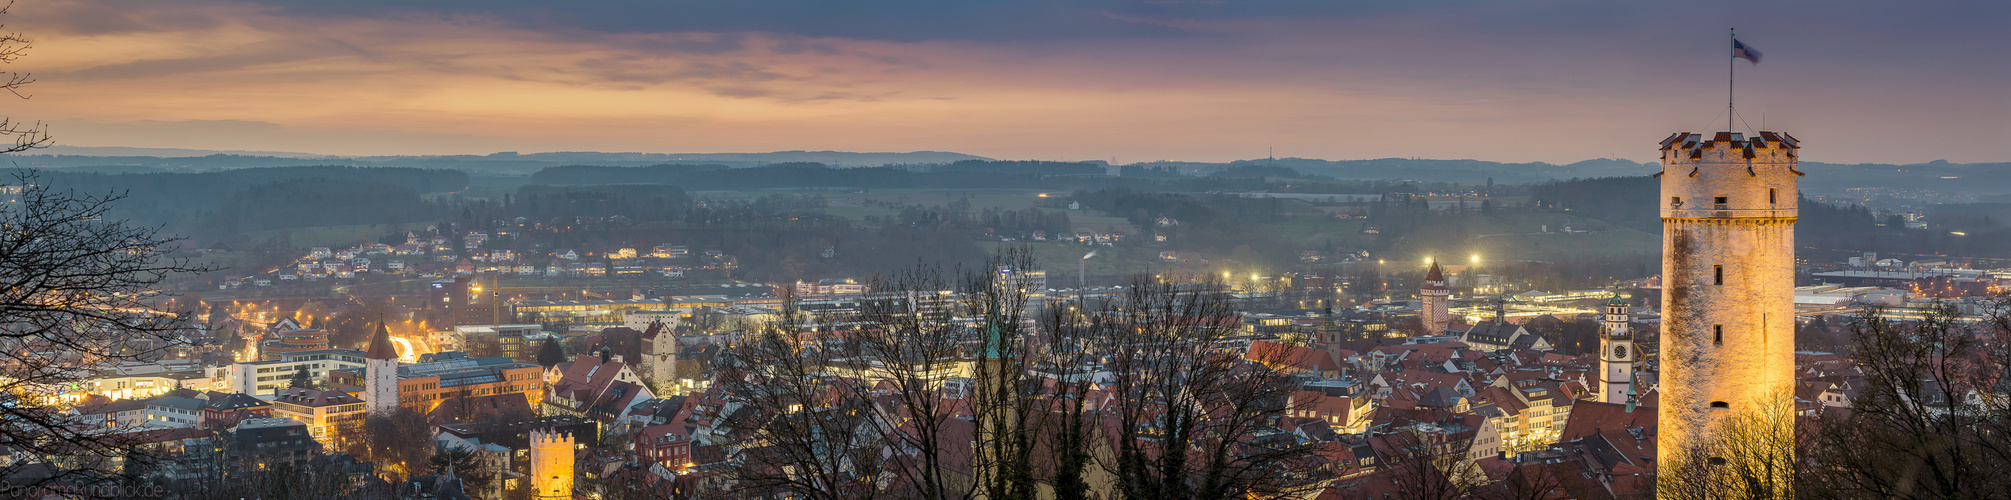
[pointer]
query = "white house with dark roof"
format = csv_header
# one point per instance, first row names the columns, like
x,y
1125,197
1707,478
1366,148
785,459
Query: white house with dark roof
x,y
1492,336
173,411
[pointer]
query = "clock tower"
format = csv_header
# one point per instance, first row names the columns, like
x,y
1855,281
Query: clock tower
x,y
1616,359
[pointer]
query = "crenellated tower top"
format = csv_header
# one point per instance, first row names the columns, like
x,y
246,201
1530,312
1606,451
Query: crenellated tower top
x,y
1729,176
551,439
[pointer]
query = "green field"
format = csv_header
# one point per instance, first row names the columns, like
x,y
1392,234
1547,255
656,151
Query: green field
x,y
1060,261
328,236
1313,232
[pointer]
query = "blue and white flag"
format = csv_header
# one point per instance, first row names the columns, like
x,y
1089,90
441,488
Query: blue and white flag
x,y
1741,51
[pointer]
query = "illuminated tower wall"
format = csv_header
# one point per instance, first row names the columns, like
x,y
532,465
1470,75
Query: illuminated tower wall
x,y
1435,310
1728,209
380,374
1616,358
551,465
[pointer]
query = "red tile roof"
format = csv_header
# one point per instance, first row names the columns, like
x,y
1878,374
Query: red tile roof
x,y
380,344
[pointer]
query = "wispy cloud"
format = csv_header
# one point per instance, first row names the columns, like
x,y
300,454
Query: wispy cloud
x,y
1140,80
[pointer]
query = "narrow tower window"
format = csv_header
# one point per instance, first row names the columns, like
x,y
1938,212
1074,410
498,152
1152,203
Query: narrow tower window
x,y
1721,405
1719,200
1718,275
1771,194
1718,334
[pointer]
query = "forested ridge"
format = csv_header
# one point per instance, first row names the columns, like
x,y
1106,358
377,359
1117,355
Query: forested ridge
x,y
221,204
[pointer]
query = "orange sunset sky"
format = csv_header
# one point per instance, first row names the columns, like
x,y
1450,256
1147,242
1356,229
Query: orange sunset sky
x,y
1556,81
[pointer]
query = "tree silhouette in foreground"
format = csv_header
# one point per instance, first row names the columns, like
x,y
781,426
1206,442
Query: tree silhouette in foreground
x,y
74,291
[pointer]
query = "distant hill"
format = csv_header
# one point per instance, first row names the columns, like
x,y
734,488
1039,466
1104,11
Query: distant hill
x,y
507,163
163,152
1986,181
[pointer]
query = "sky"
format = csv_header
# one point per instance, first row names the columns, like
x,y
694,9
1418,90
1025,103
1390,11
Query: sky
x,y
1124,80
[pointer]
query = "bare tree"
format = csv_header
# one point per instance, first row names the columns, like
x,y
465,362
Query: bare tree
x,y
1065,415
861,405
913,349
1003,401
1429,463
1752,456
1192,419
1931,418
14,45
1536,482
400,442
799,430
74,291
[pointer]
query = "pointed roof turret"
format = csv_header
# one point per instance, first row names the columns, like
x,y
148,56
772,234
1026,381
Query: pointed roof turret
x,y
994,347
380,344
1435,275
655,327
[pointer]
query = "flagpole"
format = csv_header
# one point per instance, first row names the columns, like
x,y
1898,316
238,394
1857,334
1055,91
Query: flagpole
x,y
1731,70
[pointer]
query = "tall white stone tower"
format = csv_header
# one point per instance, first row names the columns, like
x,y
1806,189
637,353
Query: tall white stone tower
x,y
380,374
1616,358
551,465
1727,347
1436,307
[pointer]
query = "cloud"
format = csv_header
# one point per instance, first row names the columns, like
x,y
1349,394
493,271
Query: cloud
x,y
1143,80
894,20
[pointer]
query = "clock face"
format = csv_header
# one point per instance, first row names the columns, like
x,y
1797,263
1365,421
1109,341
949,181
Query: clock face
x,y
1619,352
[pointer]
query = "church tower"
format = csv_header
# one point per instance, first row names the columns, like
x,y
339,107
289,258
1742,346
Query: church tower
x,y
1728,209
1436,310
1616,361
380,373
552,454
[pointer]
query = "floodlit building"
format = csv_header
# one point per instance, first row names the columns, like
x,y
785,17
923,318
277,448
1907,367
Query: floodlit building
x,y
380,374
422,386
1616,354
1436,312
1727,342
330,415
551,465
269,376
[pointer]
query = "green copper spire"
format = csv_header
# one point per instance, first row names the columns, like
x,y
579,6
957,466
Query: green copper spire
x,y
994,343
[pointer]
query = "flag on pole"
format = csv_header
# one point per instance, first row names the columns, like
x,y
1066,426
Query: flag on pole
x,y
1741,51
